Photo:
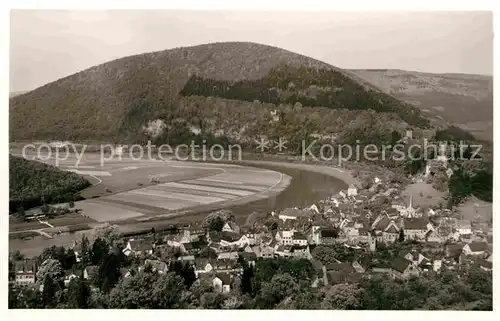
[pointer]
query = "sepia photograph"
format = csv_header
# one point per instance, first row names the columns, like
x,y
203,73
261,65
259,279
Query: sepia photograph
x,y
250,159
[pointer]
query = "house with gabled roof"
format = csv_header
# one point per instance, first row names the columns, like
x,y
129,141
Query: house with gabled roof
x,y
228,256
362,264
138,247
381,222
156,266
90,272
327,236
364,235
222,282
25,272
231,227
283,250
249,257
415,228
485,265
390,233
433,236
285,236
413,256
264,251
299,238
338,272
403,268
475,248
202,265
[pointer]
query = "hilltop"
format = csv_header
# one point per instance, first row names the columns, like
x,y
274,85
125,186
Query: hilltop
x,y
228,91
466,100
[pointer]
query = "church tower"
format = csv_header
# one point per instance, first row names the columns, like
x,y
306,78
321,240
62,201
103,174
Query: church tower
x,y
372,242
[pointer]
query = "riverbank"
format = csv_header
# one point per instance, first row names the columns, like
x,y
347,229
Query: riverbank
x,y
302,185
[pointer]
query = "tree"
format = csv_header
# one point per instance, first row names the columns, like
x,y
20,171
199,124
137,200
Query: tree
x,y
50,268
272,223
21,215
100,249
324,254
78,293
215,221
108,233
17,256
134,292
212,300
307,299
216,224
247,278
45,209
401,237
169,292
343,297
24,297
98,300
85,252
50,288
281,286
188,274
109,272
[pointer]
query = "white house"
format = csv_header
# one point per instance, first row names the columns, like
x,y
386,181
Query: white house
x,y
352,191
222,282
228,256
25,272
68,278
291,214
138,247
285,237
231,227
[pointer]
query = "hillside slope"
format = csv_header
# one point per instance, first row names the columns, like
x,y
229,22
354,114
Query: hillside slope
x,y
466,100
17,93
116,101
32,183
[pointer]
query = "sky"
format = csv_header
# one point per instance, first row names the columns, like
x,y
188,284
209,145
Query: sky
x,y
48,45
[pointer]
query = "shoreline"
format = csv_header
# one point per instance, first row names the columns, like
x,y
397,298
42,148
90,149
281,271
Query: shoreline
x,y
142,226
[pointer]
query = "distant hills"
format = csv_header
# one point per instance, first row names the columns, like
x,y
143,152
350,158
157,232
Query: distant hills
x,y
466,100
224,92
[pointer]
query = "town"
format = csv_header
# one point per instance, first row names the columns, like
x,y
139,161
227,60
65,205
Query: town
x,y
341,236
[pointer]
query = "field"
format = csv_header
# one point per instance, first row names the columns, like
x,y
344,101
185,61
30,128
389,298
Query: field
x,y
423,194
475,209
25,226
70,219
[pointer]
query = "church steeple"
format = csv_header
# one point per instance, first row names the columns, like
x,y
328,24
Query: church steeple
x,y
411,202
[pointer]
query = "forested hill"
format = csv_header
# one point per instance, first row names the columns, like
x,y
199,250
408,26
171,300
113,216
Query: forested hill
x,y
32,183
144,96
